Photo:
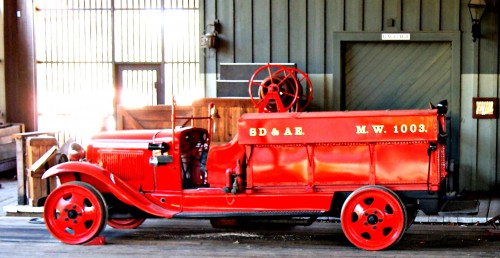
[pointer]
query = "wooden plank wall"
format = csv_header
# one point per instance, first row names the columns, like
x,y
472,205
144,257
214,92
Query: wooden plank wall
x,y
302,32
480,78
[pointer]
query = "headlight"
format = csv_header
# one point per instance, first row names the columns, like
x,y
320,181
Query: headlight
x,y
75,152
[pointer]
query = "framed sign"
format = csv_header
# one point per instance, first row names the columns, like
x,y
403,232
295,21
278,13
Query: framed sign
x,y
485,108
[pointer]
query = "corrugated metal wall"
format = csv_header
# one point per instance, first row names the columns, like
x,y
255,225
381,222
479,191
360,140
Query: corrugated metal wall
x,y
307,33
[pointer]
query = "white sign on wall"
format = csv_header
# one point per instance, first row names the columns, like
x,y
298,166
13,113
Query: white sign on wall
x,y
395,36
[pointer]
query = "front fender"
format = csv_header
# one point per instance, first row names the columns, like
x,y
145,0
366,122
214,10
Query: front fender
x,y
73,171
106,182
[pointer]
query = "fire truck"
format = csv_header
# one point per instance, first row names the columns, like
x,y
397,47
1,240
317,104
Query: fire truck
x,y
373,170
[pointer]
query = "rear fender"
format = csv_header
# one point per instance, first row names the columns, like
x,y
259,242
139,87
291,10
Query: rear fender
x,y
106,182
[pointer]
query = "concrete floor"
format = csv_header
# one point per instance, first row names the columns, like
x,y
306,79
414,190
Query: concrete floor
x,y
20,237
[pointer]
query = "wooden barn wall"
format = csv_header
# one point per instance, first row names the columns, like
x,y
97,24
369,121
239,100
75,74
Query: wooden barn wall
x,y
303,32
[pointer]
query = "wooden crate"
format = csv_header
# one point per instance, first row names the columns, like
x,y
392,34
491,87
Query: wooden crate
x,y
40,152
226,115
22,163
8,145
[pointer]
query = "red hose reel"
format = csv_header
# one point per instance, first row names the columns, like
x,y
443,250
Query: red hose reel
x,y
280,89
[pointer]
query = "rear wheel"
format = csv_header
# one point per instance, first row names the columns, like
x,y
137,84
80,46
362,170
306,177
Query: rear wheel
x,y
411,214
75,213
373,218
127,223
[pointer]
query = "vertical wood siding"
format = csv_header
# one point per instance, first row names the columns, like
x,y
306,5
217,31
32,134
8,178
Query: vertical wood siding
x,y
302,32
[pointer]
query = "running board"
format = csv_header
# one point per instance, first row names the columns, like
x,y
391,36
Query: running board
x,y
455,207
188,215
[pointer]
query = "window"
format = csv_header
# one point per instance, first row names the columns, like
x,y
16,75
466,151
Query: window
x,y
80,45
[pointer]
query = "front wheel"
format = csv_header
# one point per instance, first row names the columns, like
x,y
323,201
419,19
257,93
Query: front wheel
x,y
75,213
373,218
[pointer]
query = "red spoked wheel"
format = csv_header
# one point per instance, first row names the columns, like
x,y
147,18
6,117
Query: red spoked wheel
x,y
278,88
373,218
75,213
305,89
126,223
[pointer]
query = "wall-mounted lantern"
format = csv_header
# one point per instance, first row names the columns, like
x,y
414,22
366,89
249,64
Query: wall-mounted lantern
x,y
476,9
209,38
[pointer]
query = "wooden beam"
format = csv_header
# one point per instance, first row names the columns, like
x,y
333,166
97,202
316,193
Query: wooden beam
x,y
20,58
43,159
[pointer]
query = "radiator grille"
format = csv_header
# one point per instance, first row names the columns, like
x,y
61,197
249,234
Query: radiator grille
x,y
127,165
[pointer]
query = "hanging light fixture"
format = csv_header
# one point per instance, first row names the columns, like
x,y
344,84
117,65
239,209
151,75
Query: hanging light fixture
x,y
476,9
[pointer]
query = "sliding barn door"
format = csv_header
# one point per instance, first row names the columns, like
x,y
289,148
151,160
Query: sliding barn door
x,y
381,75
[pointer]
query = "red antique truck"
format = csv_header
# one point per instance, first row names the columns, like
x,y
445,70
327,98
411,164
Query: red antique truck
x,y
371,169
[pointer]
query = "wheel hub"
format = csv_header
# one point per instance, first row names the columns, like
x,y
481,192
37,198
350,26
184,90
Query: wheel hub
x,y
372,219
72,214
